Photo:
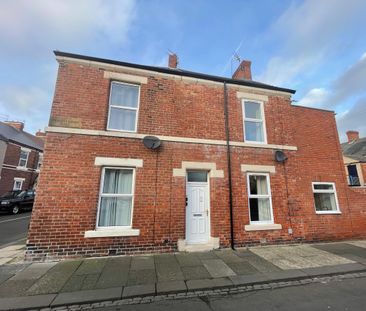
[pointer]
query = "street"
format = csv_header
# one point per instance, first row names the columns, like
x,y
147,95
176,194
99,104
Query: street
x,y
348,294
13,228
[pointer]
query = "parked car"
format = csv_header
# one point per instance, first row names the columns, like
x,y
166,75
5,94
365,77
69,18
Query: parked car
x,y
16,201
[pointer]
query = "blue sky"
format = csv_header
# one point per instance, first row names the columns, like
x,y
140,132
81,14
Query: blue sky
x,y
315,47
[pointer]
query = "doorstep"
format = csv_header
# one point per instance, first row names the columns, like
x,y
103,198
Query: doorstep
x,y
213,243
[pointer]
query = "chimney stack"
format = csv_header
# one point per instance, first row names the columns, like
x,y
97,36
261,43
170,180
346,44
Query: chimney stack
x,y
16,124
41,134
352,135
173,60
243,72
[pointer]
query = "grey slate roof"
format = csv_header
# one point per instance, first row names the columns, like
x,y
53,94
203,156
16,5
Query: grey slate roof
x,y
355,150
9,133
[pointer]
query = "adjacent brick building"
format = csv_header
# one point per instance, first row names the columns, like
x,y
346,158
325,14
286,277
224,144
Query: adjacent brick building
x,y
354,157
237,164
21,156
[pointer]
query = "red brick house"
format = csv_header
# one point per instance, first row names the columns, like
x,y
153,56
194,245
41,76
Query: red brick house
x,y
216,180
21,155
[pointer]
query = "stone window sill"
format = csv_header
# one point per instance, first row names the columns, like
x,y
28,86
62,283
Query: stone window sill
x,y
263,227
111,233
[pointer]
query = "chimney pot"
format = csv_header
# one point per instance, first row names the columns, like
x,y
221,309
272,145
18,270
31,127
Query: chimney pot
x,y
352,135
243,72
16,124
173,60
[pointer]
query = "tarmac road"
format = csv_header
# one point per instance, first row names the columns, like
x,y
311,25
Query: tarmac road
x,y
348,294
13,228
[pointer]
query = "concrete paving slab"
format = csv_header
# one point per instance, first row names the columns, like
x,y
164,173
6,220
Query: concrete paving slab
x,y
140,277
361,243
87,296
55,278
34,271
343,249
208,283
188,259
249,279
195,273
257,262
91,266
80,282
243,267
138,290
10,254
142,263
5,260
169,287
298,256
329,270
12,288
228,256
217,268
14,247
115,273
206,255
165,259
169,272
29,302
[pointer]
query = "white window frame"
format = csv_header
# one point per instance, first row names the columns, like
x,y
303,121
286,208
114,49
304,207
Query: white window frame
x,y
334,191
21,180
26,160
123,107
101,194
263,120
258,196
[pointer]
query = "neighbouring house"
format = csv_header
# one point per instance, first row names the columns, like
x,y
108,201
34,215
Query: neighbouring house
x,y
143,159
21,155
354,157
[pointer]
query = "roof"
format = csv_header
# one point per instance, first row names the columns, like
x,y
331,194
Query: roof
x,y
9,133
355,149
177,71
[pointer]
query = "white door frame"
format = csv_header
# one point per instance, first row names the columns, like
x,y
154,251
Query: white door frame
x,y
208,215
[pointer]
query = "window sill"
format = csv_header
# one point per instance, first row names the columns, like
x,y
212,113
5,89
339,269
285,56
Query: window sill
x,y
22,168
263,227
329,213
111,233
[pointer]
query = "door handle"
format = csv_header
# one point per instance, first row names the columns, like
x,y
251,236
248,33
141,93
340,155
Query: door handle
x,y
186,201
207,212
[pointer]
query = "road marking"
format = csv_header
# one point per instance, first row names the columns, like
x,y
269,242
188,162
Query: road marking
x,y
8,220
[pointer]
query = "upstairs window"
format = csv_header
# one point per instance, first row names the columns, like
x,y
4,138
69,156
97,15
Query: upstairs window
x,y
260,203
23,159
123,107
116,198
254,127
325,198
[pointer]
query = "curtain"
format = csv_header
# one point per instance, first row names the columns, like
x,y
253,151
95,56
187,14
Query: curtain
x,y
116,211
124,95
122,119
264,209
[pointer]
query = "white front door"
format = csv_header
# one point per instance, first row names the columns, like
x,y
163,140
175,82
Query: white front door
x,y
197,210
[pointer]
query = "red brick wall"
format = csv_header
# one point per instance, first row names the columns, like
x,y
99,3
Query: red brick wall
x,y
9,171
67,197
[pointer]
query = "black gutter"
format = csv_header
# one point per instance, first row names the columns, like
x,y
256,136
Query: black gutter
x,y
227,131
179,72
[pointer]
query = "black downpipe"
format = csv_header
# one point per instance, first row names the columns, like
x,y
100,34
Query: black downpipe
x,y
226,112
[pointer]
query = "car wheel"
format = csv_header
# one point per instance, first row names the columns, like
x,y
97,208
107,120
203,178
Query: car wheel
x,y
15,210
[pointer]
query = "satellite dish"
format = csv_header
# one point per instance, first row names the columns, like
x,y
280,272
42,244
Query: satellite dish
x,y
151,142
280,156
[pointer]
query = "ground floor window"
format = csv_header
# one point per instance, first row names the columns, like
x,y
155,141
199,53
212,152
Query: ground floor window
x,y
260,203
116,197
325,198
18,183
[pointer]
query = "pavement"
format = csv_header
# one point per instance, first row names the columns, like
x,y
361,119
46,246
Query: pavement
x,y
71,282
